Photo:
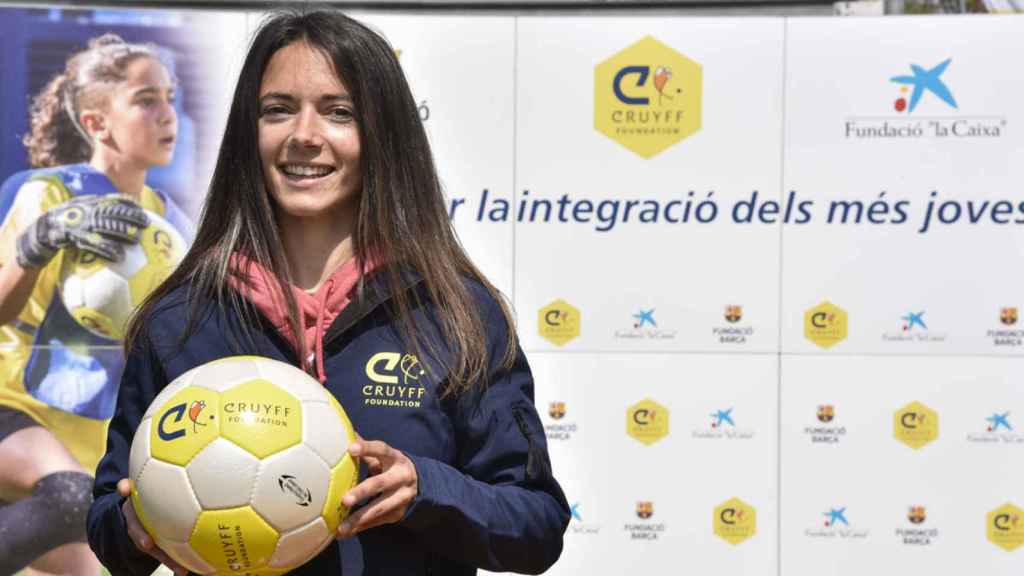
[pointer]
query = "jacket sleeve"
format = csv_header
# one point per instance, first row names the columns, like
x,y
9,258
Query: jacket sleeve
x,y
105,524
498,507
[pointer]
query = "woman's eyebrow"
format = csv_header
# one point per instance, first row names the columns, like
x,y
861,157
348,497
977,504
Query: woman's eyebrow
x,y
283,96
153,90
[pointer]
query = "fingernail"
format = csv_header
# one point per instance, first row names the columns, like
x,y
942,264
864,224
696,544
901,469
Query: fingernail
x,y
355,449
144,542
345,526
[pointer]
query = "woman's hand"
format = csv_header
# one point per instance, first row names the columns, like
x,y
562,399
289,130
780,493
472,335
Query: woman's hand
x,y
390,489
138,534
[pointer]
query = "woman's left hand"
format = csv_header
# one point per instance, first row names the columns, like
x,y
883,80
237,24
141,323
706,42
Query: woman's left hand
x,y
390,488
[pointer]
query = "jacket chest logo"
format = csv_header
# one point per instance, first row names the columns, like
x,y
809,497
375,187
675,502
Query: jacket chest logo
x,y
394,381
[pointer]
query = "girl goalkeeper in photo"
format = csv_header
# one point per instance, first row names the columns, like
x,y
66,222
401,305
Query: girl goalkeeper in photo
x,y
325,242
96,128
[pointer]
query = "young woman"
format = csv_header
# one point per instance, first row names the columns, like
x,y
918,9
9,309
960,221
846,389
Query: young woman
x,y
96,129
325,243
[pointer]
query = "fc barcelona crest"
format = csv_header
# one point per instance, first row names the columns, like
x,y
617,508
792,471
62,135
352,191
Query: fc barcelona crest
x,y
1008,316
644,510
916,515
556,410
733,313
826,412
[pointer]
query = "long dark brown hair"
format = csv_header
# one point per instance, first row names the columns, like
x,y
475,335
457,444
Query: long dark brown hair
x,y
402,222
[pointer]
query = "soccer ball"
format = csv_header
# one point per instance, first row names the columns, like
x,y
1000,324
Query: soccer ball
x,y
239,466
101,295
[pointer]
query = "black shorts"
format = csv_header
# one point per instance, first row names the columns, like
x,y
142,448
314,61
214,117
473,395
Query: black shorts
x,y
12,420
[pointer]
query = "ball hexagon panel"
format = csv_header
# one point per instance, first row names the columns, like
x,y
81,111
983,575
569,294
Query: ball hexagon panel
x,y
140,450
291,488
261,417
164,492
234,541
301,543
226,373
222,475
343,478
302,385
186,556
184,424
320,416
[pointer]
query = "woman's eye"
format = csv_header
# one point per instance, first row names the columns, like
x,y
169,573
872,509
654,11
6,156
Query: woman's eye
x,y
340,114
273,110
147,102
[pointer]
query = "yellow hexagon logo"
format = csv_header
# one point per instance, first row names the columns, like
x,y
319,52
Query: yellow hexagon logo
x,y
734,521
916,425
261,418
1005,527
234,541
647,421
185,424
825,324
647,97
559,322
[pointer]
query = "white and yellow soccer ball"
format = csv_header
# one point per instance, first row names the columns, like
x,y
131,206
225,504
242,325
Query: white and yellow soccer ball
x,y
102,295
239,467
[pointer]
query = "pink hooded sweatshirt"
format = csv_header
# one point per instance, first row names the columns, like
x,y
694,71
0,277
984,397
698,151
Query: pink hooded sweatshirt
x,y
316,311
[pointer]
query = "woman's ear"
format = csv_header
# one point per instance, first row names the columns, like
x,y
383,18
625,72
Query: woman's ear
x,y
95,125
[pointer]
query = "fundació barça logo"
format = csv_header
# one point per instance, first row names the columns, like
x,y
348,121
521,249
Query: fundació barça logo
x,y
647,97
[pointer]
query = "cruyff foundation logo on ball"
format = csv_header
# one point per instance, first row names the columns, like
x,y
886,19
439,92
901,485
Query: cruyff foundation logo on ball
x,y
644,529
647,421
559,322
825,324
1005,335
1005,527
734,521
924,107
917,534
913,328
733,332
722,426
825,431
559,428
394,381
644,326
836,525
916,425
998,429
647,97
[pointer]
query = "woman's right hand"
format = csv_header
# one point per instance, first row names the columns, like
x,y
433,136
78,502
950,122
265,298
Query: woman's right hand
x,y
97,224
138,534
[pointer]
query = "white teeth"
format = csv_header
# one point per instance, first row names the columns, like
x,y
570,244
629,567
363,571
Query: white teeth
x,y
307,171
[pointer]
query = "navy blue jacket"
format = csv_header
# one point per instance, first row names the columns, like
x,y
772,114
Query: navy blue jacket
x,y
487,498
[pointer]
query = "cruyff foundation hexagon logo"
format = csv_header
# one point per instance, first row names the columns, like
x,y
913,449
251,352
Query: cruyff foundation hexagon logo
x,y
559,322
647,421
647,97
825,324
735,521
1005,527
916,425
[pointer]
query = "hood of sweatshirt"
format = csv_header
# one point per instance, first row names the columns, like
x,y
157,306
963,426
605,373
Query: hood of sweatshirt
x,y
316,311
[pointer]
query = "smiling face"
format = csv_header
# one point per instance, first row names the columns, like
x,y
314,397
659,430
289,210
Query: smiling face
x,y
139,120
308,135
